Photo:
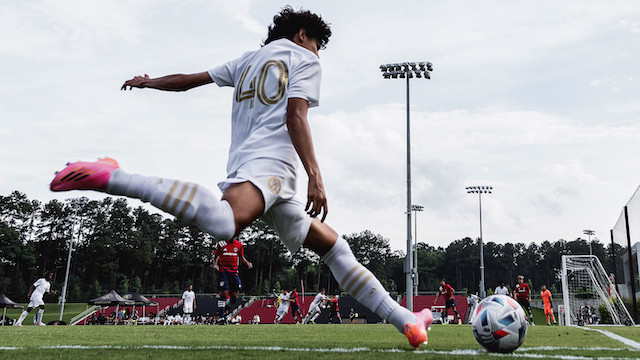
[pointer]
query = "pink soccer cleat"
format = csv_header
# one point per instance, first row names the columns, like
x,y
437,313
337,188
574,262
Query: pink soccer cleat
x,y
417,333
85,176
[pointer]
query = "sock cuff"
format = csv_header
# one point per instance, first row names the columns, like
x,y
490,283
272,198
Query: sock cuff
x,y
339,248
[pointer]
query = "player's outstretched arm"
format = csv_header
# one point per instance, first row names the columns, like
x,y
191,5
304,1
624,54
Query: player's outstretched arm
x,y
301,137
177,82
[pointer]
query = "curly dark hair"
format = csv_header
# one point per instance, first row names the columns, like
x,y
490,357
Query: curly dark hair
x,y
288,22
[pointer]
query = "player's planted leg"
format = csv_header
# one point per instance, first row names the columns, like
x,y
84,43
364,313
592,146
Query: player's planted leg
x,y
368,290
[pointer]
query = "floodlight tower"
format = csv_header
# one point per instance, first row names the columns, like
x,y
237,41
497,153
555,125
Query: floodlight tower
x,y
416,279
480,190
407,71
76,203
589,232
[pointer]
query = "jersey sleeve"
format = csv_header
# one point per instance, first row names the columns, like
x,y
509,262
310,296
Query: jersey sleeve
x,y
304,82
224,75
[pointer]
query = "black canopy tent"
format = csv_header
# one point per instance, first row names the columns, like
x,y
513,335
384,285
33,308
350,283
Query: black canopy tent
x,y
139,300
5,303
112,298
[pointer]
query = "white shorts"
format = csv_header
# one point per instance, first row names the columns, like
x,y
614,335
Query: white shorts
x,y
281,312
34,303
188,309
282,211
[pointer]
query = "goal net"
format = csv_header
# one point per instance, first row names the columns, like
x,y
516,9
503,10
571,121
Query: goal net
x,y
586,288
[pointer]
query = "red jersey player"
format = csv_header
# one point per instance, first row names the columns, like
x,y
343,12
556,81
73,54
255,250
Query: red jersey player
x,y
226,260
445,290
295,305
522,293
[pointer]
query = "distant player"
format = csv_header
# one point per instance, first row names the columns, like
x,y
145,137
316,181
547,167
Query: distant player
x,y
314,308
352,316
472,303
522,293
36,294
283,307
501,289
548,304
188,304
446,291
295,305
226,260
334,309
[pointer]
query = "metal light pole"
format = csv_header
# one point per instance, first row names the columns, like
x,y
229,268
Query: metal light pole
x,y
589,232
76,203
416,279
480,190
407,71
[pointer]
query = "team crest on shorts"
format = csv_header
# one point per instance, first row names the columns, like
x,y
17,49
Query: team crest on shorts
x,y
274,185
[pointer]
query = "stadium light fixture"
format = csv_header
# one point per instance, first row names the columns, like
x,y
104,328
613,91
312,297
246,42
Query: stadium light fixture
x,y
407,70
589,232
480,190
75,203
416,278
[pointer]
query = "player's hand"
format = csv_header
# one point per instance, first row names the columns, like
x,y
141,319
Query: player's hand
x,y
316,199
216,268
137,82
249,265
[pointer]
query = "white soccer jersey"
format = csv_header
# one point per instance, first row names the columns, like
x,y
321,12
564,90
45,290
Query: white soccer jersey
x,y
472,300
188,297
501,290
284,303
264,80
40,287
317,300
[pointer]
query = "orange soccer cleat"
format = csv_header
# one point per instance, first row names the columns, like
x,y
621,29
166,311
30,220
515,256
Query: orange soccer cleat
x,y
417,333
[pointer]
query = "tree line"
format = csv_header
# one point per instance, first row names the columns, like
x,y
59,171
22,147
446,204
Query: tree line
x,y
128,249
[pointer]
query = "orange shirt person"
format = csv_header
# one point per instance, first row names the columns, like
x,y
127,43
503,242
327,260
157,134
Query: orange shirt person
x,y
548,305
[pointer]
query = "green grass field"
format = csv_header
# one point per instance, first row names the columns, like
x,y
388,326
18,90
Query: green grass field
x,y
269,341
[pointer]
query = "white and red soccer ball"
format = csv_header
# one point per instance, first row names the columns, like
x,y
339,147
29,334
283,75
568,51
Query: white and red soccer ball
x,y
499,324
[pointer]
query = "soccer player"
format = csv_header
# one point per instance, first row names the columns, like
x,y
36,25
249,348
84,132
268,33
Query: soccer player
x,y
295,305
36,294
274,88
314,308
501,289
226,261
188,304
548,304
472,303
283,308
334,309
522,293
446,291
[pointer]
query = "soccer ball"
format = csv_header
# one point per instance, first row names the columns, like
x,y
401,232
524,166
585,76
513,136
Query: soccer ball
x,y
499,324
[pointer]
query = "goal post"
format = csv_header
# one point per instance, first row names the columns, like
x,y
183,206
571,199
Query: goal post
x,y
585,288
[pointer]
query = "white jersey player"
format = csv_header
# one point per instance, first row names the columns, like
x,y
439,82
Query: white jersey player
x,y
274,87
283,308
314,308
188,304
36,299
501,289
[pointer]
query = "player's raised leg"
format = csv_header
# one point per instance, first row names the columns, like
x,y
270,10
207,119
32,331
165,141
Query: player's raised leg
x,y
363,285
187,201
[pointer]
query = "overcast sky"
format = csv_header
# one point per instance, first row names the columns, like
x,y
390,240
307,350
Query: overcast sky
x,y
540,100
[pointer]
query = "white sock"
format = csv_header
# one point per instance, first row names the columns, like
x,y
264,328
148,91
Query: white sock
x,y
187,201
39,316
364,286
22,316
315,316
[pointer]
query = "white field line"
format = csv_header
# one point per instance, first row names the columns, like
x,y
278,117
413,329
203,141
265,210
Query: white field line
x,y
623,340
520,353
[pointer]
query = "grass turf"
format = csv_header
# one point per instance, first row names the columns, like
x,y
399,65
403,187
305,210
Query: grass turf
x,y
286,342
